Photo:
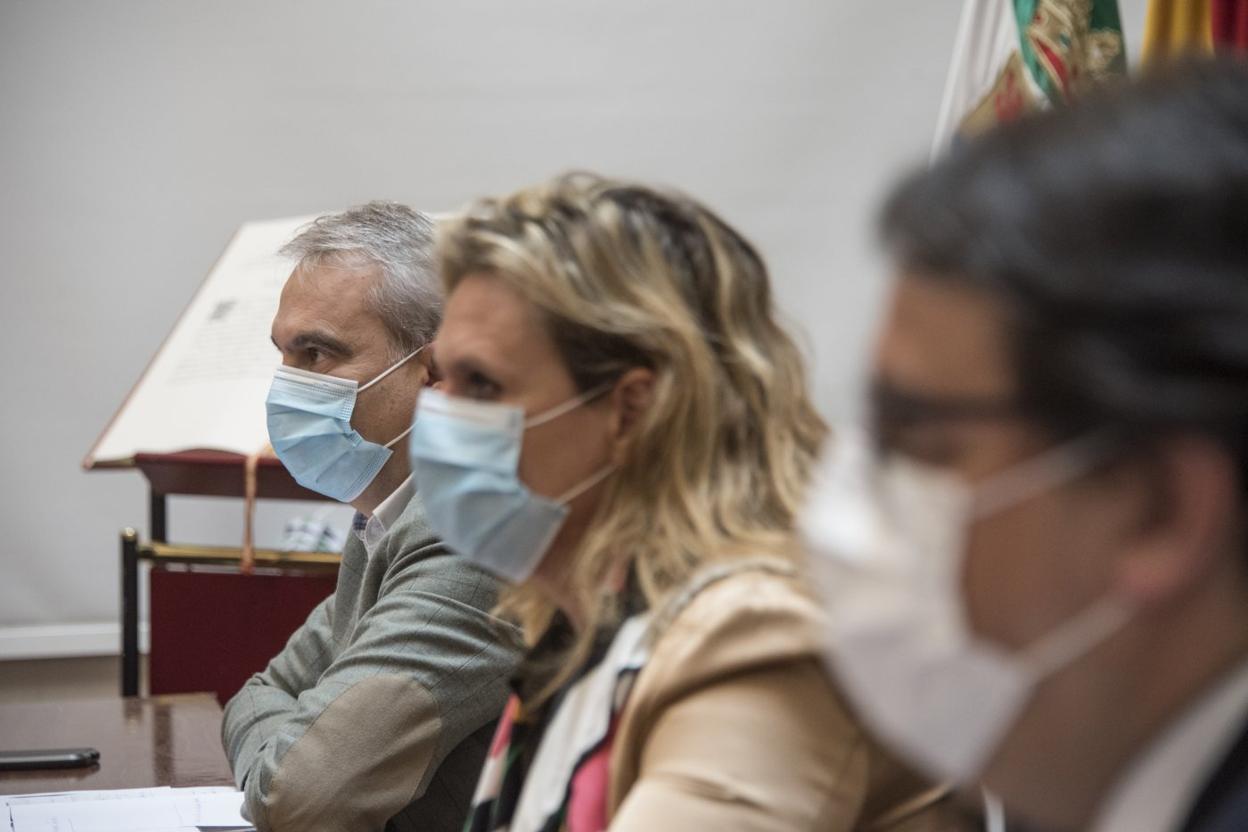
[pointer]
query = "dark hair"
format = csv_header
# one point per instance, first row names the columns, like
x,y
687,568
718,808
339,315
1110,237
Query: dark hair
x,y
1116,233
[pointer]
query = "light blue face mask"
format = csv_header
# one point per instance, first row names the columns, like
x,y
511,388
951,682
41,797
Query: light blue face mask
x,y
465,456
309,417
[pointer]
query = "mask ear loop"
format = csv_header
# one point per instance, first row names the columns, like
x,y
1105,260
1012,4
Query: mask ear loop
x,y
1078,636
391,443
586,484
390,370
994,812
1041,473
557,411
568,406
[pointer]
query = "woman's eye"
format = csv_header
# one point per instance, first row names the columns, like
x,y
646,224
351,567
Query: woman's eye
x,y
481,386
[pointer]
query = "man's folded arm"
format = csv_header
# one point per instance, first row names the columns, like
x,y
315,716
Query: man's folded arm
x,y
425,667
270,698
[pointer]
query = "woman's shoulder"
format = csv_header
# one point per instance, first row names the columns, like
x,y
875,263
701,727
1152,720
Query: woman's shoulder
x,y
735,617
755,626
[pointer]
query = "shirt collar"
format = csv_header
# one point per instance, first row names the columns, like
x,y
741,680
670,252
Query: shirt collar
x,y
370,530
1158,789
393,506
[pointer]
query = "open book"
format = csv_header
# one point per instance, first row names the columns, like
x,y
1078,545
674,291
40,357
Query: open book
x,y
206,385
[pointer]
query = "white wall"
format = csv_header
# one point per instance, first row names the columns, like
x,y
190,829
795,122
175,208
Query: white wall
x,y
135,136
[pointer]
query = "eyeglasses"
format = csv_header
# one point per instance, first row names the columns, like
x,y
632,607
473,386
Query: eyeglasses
x,y
897,408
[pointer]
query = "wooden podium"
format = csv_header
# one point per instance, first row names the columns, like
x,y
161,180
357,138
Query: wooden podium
x,y
211,625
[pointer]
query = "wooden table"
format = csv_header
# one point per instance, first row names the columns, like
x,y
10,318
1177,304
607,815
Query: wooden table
x,y
159,741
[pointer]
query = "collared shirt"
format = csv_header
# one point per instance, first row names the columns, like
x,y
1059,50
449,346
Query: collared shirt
x,y
371,529
1158,790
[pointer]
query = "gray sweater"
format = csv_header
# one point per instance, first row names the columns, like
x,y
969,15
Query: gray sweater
x,y
379,711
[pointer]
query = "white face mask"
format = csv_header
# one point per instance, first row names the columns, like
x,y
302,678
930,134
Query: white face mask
x,y
887,542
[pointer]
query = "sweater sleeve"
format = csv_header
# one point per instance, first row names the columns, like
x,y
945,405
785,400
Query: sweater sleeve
x,y
423,669
267,700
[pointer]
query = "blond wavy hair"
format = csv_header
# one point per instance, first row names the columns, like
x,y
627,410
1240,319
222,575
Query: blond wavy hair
x,y
629,276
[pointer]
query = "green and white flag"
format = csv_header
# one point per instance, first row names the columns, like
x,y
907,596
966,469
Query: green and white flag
x,y
1014,56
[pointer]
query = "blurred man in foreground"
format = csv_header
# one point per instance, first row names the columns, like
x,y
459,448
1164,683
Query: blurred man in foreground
x,y
1037,565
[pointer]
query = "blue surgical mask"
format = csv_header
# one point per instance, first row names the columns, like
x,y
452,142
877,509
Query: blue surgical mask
x,y
465,456
309,416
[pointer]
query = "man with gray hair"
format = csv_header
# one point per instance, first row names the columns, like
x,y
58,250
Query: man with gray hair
x,y
379,711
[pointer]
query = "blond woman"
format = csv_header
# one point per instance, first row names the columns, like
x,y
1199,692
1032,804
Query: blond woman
x,y
622,432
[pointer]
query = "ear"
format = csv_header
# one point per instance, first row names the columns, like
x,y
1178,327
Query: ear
x,y
430,366
629,399
1193,522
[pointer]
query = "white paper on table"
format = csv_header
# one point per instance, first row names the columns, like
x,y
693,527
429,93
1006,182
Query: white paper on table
x,y
210,810
97,794
127,810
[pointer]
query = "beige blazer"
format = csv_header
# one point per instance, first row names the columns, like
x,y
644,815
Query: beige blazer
x,y
733,725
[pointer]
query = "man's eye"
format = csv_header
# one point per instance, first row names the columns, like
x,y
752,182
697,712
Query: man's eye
x,y
313,355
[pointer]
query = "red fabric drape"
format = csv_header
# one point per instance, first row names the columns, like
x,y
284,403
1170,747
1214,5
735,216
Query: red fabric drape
x,y
1230,25
212,630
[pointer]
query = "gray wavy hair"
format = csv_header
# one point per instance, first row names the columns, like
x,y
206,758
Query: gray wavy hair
x,y
400,242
